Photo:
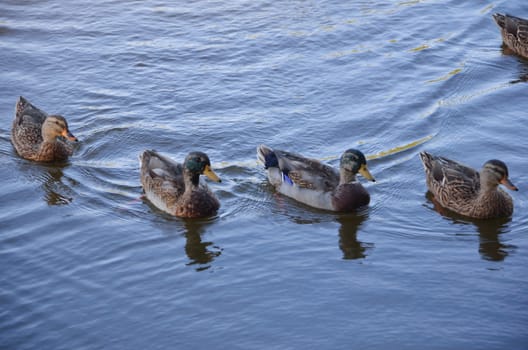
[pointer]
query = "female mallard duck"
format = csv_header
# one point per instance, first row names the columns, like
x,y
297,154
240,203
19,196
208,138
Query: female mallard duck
x,y
465,190
316,184
175,188
38,136
514,31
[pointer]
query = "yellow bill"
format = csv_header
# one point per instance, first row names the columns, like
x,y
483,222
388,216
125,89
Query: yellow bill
x,y
363,170
211,174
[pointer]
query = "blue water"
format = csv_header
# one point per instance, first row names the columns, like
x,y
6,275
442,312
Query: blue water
x,y
88,264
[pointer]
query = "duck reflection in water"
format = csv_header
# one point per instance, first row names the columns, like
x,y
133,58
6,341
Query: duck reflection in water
x,y
56,192
490,246
199,252
351,247
350,223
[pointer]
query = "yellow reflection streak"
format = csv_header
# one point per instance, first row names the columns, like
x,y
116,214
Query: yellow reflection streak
x,y
399,149
445,77
391,151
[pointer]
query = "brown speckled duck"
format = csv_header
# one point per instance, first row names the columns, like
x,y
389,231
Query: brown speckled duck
x,y
175,188
38,136
466,191
514,31
316,184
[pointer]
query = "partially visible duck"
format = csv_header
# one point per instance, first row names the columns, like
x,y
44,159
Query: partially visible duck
x,y
467,191
316,184
176,188
39,136
514,31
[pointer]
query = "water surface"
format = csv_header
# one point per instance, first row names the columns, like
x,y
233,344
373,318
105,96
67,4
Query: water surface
x,y
88,264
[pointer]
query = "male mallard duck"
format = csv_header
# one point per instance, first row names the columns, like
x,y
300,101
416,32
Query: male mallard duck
x,y
514,31
38,136
466,191
176,189
316,184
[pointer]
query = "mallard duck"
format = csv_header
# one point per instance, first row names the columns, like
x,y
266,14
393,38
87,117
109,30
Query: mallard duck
x,y
514,31
316,184
38,136
466,191
175,188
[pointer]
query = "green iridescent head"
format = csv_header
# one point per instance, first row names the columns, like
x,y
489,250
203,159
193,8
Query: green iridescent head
x,y
354,161
198,163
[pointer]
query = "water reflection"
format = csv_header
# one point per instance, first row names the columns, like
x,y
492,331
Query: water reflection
x,y
198,251
523,74
56,192
350,223
490,245
351,247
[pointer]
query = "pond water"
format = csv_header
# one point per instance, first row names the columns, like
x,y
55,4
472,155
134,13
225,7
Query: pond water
x,y
88,264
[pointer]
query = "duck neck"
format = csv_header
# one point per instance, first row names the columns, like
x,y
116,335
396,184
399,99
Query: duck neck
x,y
346,176
47,134
192,180
488,184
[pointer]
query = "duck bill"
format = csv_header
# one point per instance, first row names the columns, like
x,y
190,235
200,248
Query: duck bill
x,y
67,134
363,170
211,174
506,182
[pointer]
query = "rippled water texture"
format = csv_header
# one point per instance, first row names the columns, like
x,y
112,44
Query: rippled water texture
x,y
88,264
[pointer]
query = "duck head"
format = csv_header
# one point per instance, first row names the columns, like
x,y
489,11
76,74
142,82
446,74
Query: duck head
x,y
198,163
495,172
353,161
55,126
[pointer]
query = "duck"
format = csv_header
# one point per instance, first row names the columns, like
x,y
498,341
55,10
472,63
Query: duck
x,y
467,191
514,31
316,184
38,136
175,188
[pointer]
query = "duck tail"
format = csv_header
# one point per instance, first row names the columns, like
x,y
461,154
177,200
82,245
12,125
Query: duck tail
x,y
499,19
267,157
427,160
20,107
24,107
144,160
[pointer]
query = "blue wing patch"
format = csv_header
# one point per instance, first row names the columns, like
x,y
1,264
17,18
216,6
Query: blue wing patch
x,y
286,179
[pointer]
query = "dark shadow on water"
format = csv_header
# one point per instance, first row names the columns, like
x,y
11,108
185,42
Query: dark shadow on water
x,y
523,74
351,247
350,223
199,252
51,177
490,245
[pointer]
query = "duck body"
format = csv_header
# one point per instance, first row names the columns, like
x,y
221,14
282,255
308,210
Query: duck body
x,y
316,184
466,191
175,188
514,32
38,136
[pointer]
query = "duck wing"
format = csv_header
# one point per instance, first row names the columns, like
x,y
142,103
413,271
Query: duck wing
x,y
516,26
160,173
26,113
450,179
299,170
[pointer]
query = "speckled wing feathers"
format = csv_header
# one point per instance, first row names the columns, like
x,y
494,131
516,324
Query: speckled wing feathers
x,y
160,172
26,112
306,172
514,32
449,180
